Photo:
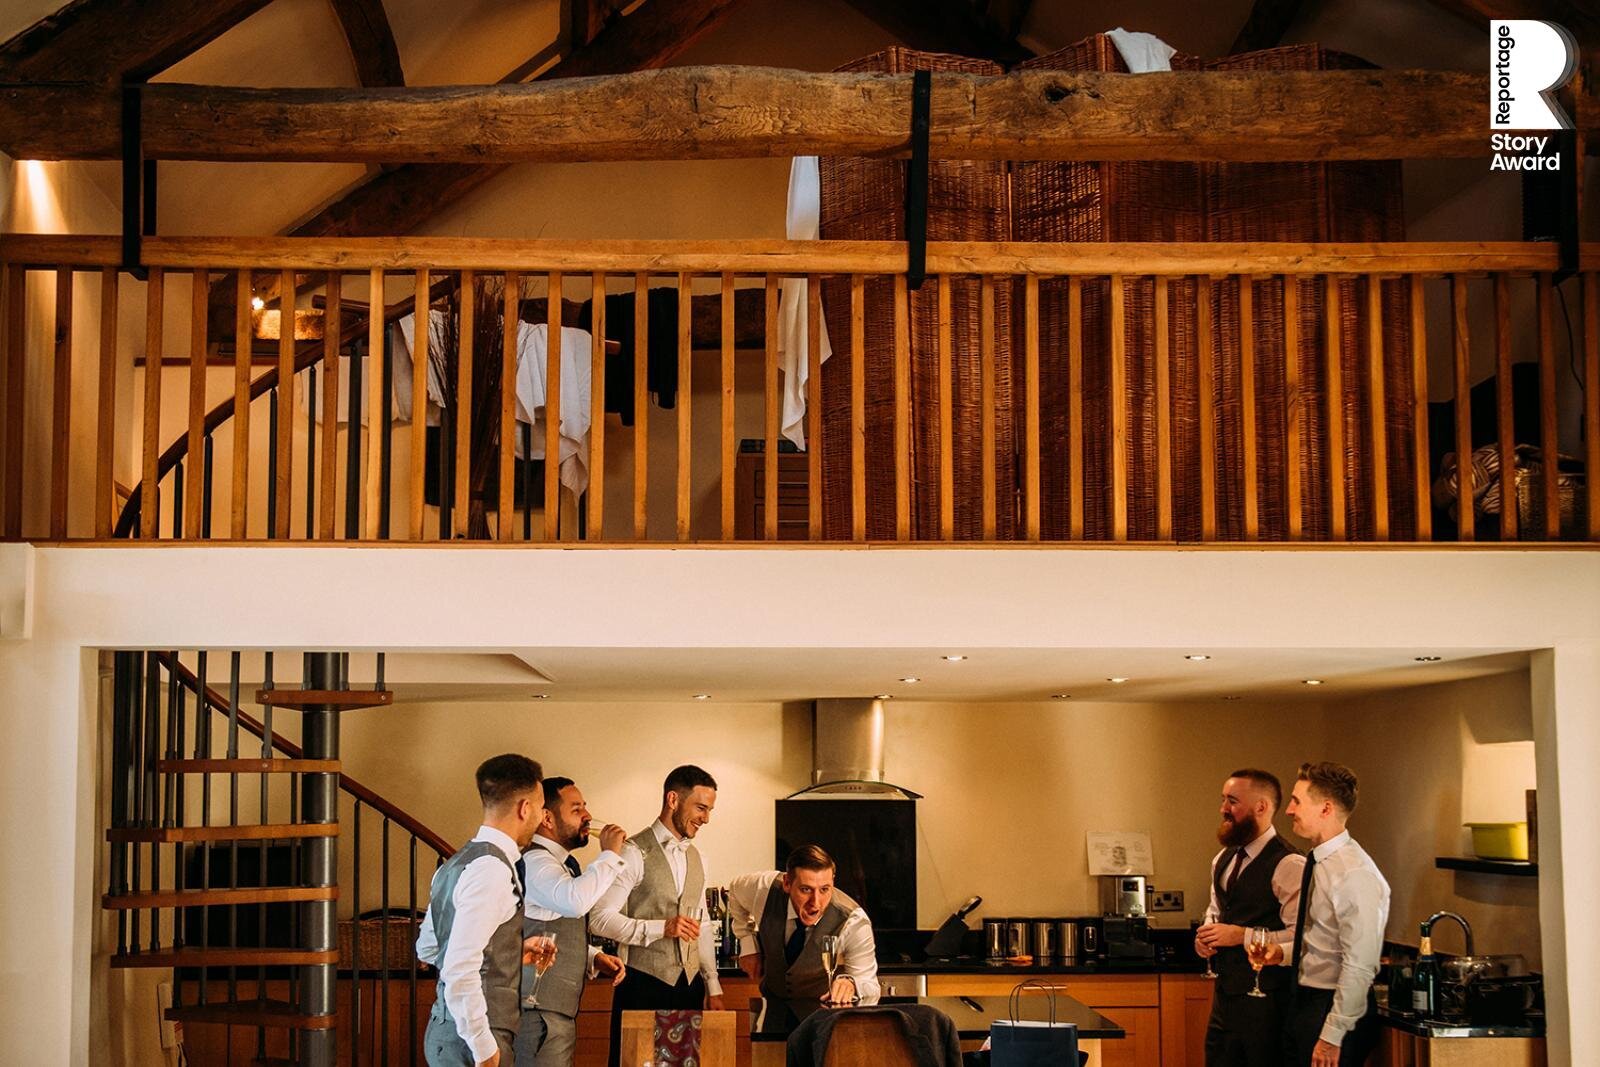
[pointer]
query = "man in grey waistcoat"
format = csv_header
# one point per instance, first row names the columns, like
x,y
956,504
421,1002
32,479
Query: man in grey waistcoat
x,y
559,896
781,917
653,909
472,931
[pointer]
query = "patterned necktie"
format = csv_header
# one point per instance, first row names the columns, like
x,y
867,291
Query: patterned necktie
x,y
796,943
1304,912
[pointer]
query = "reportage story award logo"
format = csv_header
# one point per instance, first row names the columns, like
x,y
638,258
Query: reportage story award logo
x,y
1529,60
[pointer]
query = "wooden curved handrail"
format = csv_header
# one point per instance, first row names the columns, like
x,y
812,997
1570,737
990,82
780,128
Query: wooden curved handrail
x,y
403,819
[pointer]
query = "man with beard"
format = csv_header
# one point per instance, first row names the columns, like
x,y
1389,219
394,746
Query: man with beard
x,y
559,896
1255,881
652,910
781,917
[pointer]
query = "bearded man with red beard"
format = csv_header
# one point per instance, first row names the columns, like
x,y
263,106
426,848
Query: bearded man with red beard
x,y
1255,882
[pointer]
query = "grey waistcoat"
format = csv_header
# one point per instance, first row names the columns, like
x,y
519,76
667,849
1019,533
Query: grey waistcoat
x,y
656,898
804,978
502,957
561,988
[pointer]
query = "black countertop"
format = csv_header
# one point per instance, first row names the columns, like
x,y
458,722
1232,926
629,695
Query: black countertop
x,y
1431,1028
775,1020
977,966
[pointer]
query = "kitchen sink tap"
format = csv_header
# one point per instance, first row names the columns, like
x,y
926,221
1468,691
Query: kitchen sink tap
x,y
1466,927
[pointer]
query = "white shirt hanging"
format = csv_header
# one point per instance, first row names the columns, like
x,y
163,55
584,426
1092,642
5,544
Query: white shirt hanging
x,y
803,224
1142,52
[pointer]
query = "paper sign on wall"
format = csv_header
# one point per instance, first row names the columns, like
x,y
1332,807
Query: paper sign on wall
x,y
1120,852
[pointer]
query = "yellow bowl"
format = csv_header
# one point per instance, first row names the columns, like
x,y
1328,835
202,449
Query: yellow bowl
x,y
1499,840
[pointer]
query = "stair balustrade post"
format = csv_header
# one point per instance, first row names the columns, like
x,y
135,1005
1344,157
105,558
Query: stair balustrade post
x,y
319,803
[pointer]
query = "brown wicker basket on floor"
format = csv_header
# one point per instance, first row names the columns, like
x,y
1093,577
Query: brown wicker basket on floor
x,y
399,931
864,199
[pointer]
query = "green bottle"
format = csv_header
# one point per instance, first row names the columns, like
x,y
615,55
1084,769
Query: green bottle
x,y
1425,981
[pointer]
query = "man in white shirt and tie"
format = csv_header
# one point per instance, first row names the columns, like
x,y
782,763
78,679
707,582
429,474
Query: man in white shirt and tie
x,y
559,896
1255,882
472,931
654,907
1344,907
781,917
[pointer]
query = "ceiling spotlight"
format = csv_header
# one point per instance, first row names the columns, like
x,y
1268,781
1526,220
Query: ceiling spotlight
x,y
702,696
911,681
1313,681
1197,656
257,304
541,696
1116,681
1060,696
952,659
1427,659
884,696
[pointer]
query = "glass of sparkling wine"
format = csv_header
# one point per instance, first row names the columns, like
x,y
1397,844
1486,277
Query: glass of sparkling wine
x,y
829,944
544,954
1211,917
1255,947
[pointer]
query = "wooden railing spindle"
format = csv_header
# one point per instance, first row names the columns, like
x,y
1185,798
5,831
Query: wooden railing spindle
x,y
1591,405
769,456
243,351
685,423
1378,439
284,446
1247,406
1550,467
1463,408
150,454
332,341
506,501
1422,487
1505,412
986,378
1075,484
1118,390
858,409
814,407
1030,430
106,420
16,372
902,410
463,419
375,405
193,492
1294,407
1336,457
947,371
552,404
1208,412
595,526
641,409
421,355
61,418
1163,355
730,443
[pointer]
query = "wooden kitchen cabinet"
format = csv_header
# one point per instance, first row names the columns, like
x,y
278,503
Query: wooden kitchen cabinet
x,y
1400,1049
594,1020
1185,1014
1132,1001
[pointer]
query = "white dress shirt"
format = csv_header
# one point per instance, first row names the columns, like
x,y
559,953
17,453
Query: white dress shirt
x,y
1345,921
607,918
553,893
1285,883
804,223
482,905
858,954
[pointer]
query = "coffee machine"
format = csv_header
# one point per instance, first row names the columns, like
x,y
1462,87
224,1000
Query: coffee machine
x,y
1126,929
1122,894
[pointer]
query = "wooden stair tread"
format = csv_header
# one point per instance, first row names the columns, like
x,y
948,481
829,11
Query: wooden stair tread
x,y
274,1013
166,835
334,698
225,957
190,898
247,766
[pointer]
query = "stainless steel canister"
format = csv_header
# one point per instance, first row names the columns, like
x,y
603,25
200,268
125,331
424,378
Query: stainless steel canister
x,y
1045,945
1066,939
994,938
1017,943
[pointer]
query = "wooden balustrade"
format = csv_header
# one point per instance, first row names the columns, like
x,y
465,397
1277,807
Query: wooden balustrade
x,y
1198,392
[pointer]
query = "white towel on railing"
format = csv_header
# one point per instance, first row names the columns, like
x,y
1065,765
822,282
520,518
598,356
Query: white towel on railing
x,y
1142,52
803,224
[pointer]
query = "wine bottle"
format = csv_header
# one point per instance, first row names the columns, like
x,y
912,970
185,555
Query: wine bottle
x,y
1425,980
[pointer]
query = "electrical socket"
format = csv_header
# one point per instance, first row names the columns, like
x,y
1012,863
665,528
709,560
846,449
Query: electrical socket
x,y
1166,900
169,1029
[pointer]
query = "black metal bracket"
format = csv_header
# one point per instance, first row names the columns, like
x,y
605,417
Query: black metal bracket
x,y
917,181
138,183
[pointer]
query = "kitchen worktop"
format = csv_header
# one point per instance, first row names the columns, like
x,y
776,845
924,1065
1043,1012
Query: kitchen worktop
x,y
977,966
1435,1028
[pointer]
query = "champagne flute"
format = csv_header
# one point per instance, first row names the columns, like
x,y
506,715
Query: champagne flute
x,y
1255,947
829,944
544,954
1211,917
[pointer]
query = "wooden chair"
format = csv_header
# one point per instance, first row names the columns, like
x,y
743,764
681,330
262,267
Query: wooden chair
x,y
718,1042
868,1041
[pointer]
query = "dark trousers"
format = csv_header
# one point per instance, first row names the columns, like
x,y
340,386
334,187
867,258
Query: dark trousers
x,y
644,992
1246,1031
1307,1012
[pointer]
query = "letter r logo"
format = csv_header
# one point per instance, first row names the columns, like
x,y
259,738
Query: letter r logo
x,y
1528,60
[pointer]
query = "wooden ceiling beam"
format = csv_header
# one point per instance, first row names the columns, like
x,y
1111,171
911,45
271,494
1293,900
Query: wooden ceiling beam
x,y
110,41
371,40
750,112
1265,26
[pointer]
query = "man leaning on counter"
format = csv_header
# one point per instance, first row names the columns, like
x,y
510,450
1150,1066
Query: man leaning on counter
x,y
781,917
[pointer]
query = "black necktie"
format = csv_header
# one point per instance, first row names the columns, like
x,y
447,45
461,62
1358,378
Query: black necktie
x,y
1304,912
522,878
1233,872
572,865
796,943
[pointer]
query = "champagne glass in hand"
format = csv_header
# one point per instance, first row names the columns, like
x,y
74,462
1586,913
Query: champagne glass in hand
x,y
540,951
1256,944
829,944
1211,917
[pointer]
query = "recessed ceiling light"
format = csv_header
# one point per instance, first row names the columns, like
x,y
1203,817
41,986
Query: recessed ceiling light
x,y
1232,698
1060,696
541,696
702,696
884,696
1197,656
911,681
1313,681
953,659
1427,659
1117,681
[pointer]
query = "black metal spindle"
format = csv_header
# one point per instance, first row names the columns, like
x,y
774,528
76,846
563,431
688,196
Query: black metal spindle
x,y
261,816
311,453
527,483
272,461
168,796
202,750
352,456
447,453
177,501
123,682
152,784
355,937
411,1002
206,490
383,966
175,786
379,685
233,818
136,782
386,435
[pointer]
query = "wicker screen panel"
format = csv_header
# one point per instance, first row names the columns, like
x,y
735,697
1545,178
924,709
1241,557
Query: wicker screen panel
x,y
864,199
1112,202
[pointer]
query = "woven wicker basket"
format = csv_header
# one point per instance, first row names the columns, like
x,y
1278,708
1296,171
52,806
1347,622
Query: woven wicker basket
x,y
864,199
399,931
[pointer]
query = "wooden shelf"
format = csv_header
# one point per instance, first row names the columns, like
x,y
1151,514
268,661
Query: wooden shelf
x,y
166,835
1516,868
192,898
274,1013
225,957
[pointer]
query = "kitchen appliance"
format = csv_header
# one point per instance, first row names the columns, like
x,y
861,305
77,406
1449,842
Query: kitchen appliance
x,y
1122,894
1504,1001
994,938
1045,945
1066,939
1017,937
1091,945
1127,937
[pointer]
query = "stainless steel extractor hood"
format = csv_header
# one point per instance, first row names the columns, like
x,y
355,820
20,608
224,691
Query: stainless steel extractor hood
x,y
847,738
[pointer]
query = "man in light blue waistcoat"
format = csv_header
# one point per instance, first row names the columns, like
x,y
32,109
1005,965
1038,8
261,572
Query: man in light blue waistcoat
x,y
472,931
